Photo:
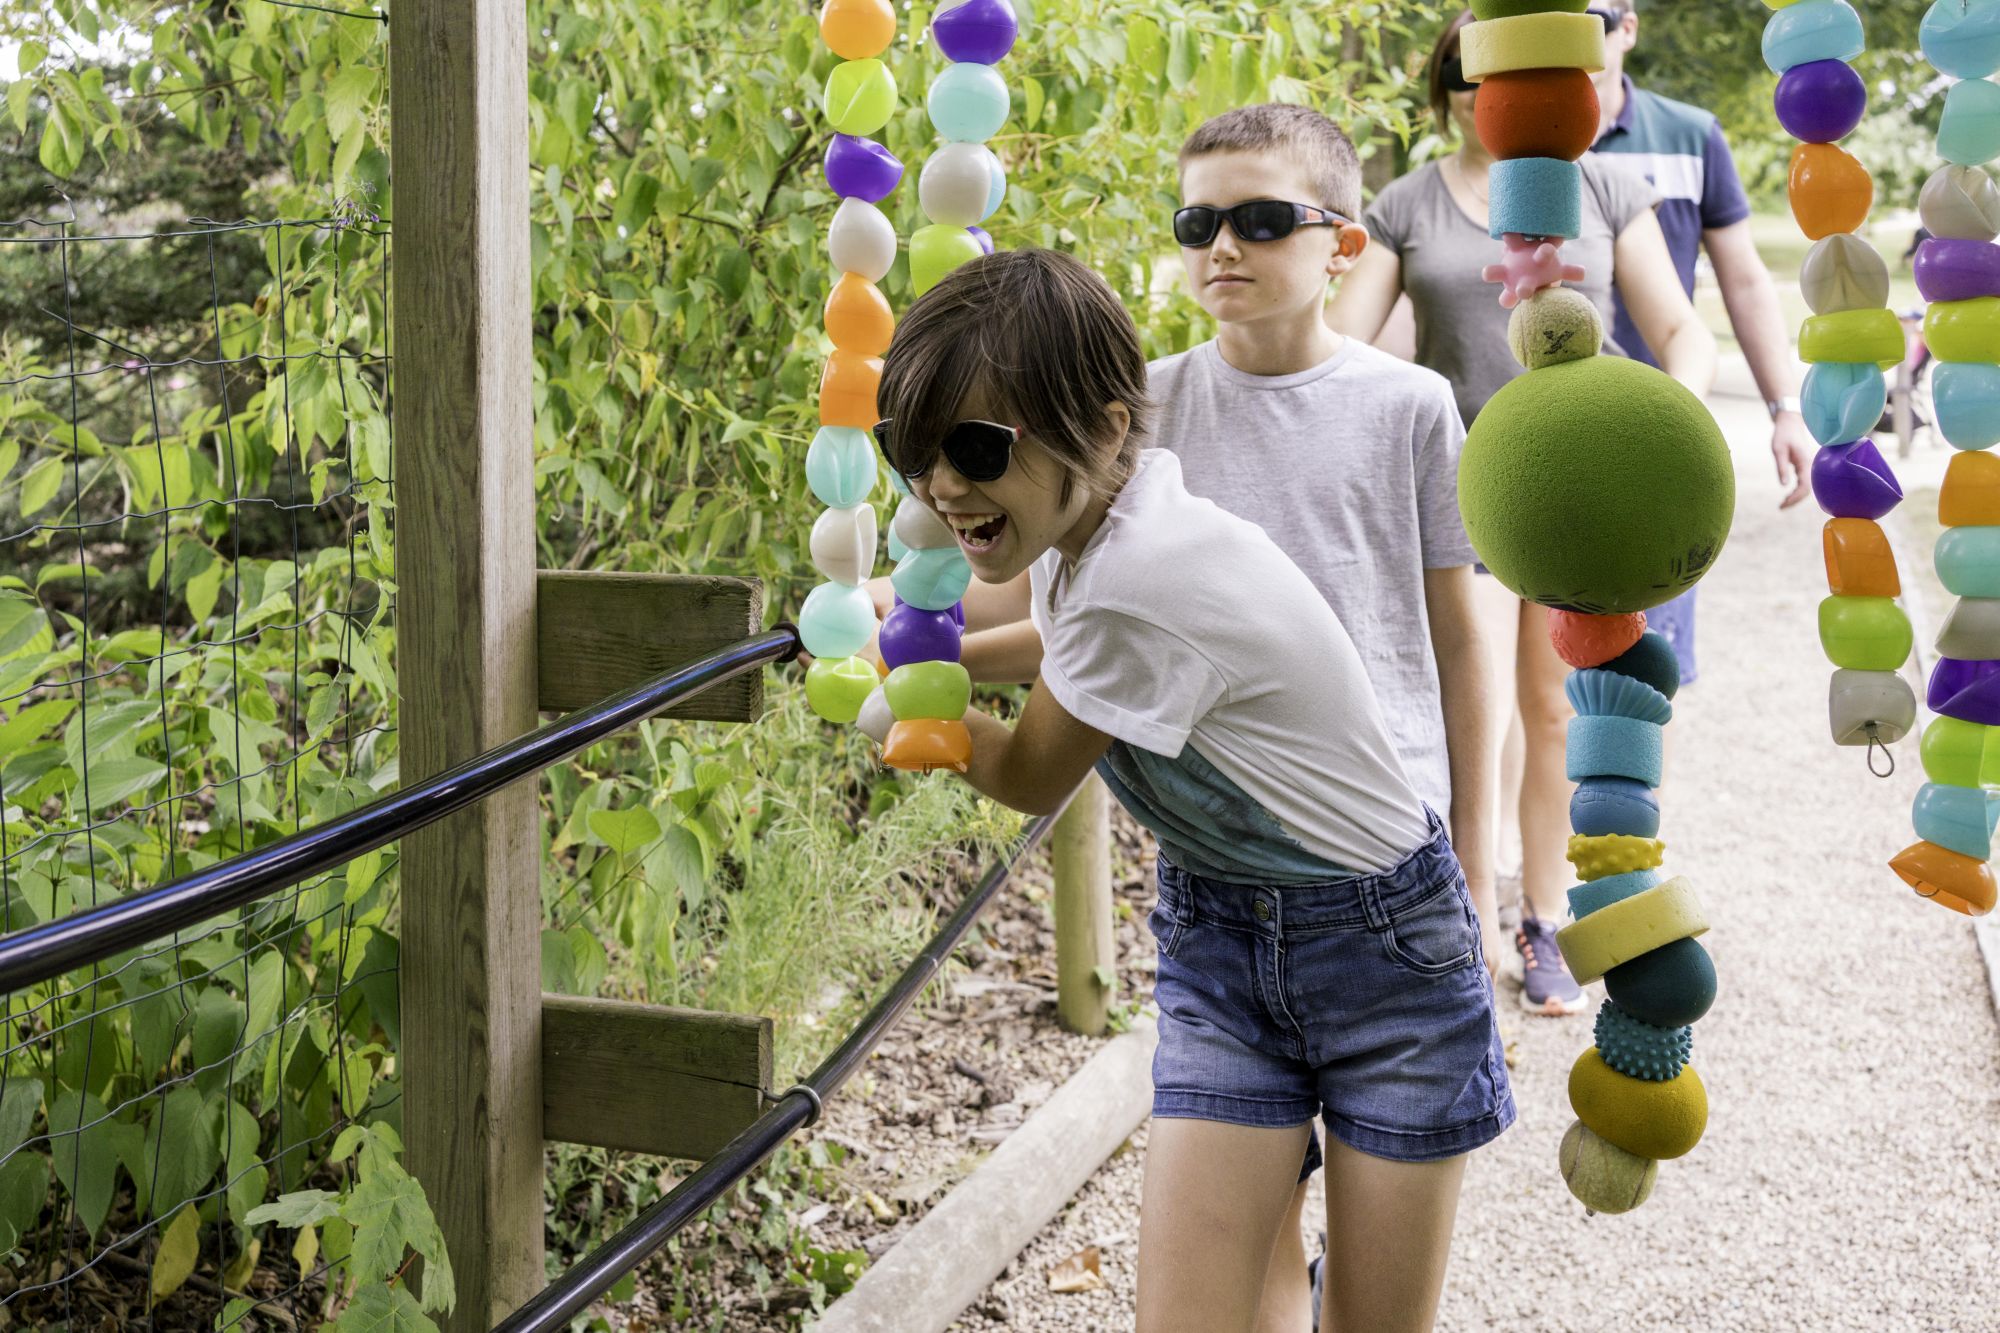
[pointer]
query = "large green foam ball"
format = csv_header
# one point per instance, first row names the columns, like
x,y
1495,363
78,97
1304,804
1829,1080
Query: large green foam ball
x,y
1599,486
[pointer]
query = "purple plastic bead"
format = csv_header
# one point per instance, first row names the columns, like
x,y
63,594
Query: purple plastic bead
x,y
980,32
1821,102
912,634
1957,270
1854,481
985,241
859,168
958,614
1968,691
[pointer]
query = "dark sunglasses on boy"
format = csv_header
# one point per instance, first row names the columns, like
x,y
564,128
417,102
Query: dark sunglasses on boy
x,y
1257,220
1452,75
1611,18
977,450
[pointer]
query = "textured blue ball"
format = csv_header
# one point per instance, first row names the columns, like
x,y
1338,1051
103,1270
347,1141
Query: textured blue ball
x,y
1638,1049
1669,987
1614,805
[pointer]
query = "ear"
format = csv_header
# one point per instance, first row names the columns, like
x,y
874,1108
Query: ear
x,y
1119,418
1353,239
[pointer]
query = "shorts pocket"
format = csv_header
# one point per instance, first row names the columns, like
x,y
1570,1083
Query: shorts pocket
x,y
1435,936
1167,928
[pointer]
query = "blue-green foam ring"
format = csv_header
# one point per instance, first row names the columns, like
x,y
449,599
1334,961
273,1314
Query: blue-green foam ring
x,y
1614,747
1638,1049
1613,694
968,103
1599,894
1812,30
1968,561
1842,400
841,466
1969,133
1536,196
836,620
932,580
1961,818
1965,398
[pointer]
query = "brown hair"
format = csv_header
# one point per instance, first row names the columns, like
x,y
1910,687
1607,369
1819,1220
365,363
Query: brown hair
x,y
1321,147
1445,49
1049,343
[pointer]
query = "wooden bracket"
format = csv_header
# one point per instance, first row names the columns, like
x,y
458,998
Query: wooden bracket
x,y
599,632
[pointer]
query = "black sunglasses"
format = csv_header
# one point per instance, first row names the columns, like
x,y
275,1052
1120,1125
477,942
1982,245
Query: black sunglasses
x,y
977,450
1452,75
1611,18
1257,220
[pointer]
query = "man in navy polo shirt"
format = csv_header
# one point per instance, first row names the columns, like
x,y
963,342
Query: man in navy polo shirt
x,y
1681,150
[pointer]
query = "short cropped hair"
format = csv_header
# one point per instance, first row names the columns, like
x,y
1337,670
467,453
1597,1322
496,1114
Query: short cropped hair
x,y
1049,344
1316,143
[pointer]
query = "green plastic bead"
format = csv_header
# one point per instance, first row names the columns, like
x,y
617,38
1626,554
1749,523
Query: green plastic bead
x,y
1964,330
937,250
1853,335
1864,633
860,96
837,688
1953,751
941,690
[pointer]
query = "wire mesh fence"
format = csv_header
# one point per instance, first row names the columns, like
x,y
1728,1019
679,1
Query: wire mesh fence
x,y
195,644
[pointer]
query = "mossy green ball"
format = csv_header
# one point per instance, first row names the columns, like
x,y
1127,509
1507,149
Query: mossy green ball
x,y
1657,1120
1599,486
1603,1176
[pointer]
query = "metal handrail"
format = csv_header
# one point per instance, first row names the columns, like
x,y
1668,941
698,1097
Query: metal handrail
x,y
40,953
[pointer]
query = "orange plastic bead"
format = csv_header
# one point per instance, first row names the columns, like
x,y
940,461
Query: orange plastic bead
x,y
1859,562
1537,113
1953,879
922,745
857,29
858,317
1588,641
847,390
1970,496
1831,191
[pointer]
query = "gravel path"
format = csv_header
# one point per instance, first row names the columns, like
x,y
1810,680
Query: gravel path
x,y
1850,1176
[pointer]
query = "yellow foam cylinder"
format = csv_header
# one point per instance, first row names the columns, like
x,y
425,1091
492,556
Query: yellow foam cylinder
x,y
1624,930
1532,41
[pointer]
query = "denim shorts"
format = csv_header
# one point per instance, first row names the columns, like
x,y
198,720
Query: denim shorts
x,y
1364,1002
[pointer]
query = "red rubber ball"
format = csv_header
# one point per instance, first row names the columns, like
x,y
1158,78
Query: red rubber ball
x,y
1537,113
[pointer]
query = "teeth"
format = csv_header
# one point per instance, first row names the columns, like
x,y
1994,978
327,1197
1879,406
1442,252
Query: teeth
x,y
967,522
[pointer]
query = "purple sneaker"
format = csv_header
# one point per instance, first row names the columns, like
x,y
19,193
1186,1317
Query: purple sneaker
x,y
1546,985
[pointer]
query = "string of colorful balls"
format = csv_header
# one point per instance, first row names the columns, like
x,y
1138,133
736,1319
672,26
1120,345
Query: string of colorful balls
x,y
1598,487
915,714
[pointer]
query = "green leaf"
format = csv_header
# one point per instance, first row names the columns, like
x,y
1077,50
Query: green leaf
x,y
18,1105
182,1149
202,590
1182,58
377,1308
558,964
30,57
301,1208
625,831
45,478
675,865
24,1190
18,93
346,96
389,1214
61,151
87,1162
116,780
180,1247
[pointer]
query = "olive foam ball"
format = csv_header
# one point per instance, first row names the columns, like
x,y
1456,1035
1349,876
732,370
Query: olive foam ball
x,y
1658,1121
1599,486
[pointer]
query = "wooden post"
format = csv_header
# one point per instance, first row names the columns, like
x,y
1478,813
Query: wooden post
x,y
471,974
1086,967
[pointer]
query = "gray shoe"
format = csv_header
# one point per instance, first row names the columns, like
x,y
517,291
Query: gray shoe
x,y
1546,985
1317,1271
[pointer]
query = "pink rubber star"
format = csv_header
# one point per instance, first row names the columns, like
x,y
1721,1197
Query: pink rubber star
x,y
1530,264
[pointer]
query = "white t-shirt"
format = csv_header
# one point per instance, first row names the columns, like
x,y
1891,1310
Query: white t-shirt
x,y
1245,735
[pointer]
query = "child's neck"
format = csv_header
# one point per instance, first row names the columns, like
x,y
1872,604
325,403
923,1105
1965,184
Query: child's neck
x,y
1280,345
1072,542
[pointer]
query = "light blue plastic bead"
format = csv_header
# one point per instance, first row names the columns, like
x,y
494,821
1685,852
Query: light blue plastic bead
x,y
1842,400
841,466
1812,30
934,579
996,194
1962,37
1968,561
1961,818
1965,397
896,548
968,103
1969,134
1536,196
836,620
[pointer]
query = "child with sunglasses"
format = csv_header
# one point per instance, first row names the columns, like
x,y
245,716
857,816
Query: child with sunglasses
x,y
1319,955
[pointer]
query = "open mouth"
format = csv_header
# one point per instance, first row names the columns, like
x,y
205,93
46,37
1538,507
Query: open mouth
x,y
978,532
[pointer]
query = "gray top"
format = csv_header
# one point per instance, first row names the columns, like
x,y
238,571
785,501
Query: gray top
x,y
1461,327
1351,467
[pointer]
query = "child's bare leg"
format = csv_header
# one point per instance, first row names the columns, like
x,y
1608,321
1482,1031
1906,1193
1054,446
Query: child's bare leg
x,y
1388,1237
1545,784
1287,1304
1214,1198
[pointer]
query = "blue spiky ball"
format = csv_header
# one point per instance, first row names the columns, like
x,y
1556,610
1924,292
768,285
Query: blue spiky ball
x,y
1639,1050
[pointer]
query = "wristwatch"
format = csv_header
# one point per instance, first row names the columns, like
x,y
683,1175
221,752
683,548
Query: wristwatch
x,y
1777,405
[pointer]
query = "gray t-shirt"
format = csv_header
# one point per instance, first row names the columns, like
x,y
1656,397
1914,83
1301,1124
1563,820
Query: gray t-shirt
x,y
1352,469
1461,327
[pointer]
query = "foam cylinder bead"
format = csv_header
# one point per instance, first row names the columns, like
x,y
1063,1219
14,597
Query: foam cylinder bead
x,y
836,688
1611,854
929,690
840,466
919,528
1601,1176
857,29
1960,819
858,168
1962,203
1965,402
875,718
1537,113
836,620
926,745
1613,747
861,241
1968,561
1951,270
1853,335
967,102
1971,630
1843,401
1967,689
858,317
1615,805
1962,37
956,184
1820,101
1970,495
1829,189
912,634
1864,633
937,250
1598,894
1869,707
933,579
1536,196
1964,330
979,32
1969,133
1812,30
1843,272
1950,879
1545,40
1854,481
1953,751
847,390
843,543
860,96
1672,986
1859,562
1508,9
1624,930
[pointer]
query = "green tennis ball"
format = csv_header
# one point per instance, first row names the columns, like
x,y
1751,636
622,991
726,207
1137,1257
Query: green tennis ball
x,y
1598,486
1555,325
1603,1176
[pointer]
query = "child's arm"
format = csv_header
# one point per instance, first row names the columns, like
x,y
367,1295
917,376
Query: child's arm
x,y
1465,691
1366,296
1009,655
1035,764
987,605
